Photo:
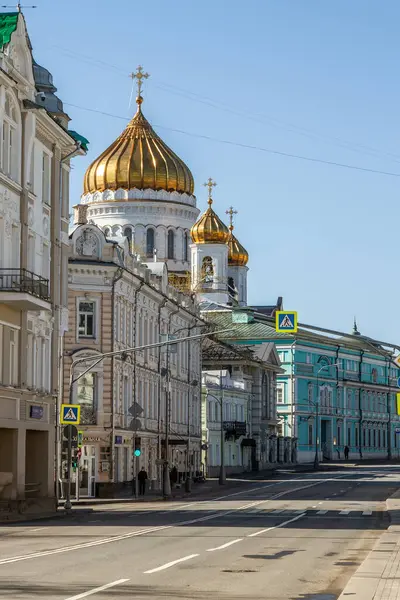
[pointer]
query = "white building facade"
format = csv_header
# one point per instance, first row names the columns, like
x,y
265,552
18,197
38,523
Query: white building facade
x,y
35,152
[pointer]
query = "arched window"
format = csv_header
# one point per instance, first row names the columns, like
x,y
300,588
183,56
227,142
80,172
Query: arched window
x,y
128,234
107,231
9,147
150,242
232,287
171,244
186,247
207,270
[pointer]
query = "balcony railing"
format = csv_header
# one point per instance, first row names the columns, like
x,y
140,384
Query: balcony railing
x,y
24,281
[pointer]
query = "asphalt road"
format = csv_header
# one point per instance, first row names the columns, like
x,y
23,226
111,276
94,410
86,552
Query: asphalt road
x,y
288,538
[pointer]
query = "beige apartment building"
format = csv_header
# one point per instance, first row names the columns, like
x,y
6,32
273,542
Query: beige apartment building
x,y
116,302
35,152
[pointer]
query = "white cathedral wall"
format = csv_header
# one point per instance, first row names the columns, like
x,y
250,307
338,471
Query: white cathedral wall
x,y
162,216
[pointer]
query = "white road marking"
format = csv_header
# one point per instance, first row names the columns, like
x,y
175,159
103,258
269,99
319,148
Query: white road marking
x,y
168,565
277,512
297,512
98,589
225,545
215,515
276,526
367,513
37,529
344,512
322,512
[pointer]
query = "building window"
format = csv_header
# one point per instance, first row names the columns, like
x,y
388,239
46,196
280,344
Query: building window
x,y
86,397
279,395
310,393
186,246
374,438
379,438
171,244
310,434
356,436
339,435
13,372
207,270
364,438
349,436
46,178
86,327
150,242
308,358
384,438
9,150
129,235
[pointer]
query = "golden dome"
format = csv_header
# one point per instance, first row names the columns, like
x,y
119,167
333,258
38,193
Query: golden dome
x,y
138,159
237,254
209,229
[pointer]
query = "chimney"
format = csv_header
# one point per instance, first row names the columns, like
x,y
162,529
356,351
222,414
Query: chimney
x,y
80,214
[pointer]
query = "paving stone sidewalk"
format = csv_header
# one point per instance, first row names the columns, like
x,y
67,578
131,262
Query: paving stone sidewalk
x,y
378,577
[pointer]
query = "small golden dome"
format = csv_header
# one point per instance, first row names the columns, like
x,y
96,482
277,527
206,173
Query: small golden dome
x,y
209,229
138,159
237,254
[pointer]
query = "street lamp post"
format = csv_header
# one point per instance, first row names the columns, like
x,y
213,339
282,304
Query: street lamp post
x,y
316,457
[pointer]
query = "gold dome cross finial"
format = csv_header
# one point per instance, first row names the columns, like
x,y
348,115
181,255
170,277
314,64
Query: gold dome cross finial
x,y
231,212
210,184
139,76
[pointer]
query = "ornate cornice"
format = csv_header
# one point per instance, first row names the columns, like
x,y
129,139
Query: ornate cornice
x,y
122,195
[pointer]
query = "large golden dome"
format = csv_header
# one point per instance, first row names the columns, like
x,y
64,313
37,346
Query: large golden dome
x,y
138,159
237,254
209,229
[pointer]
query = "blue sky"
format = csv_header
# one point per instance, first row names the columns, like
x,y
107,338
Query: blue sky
x,y
307,77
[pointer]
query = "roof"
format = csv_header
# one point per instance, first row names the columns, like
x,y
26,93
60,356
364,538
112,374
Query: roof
x,y
218,351
8,24
260,328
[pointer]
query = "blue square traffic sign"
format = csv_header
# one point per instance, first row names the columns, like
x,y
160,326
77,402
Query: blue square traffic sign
x,y
286,321
70,413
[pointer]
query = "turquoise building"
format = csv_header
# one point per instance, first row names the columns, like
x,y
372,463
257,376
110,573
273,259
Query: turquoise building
x,y
333,392
336,393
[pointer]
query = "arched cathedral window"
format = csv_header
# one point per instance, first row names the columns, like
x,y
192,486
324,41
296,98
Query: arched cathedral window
x,y
186,247
171,244
207,270
150,242
128,234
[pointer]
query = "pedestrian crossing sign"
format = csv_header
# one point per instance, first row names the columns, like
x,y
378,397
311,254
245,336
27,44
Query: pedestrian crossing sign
x,y
70,413
286,321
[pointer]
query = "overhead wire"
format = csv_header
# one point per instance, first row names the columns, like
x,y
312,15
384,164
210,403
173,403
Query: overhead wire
x,y
257,117
248,146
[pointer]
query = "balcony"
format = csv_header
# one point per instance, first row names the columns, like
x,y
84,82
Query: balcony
x,y
24,290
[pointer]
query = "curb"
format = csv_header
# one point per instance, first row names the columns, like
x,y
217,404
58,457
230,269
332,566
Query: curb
x,y
59,514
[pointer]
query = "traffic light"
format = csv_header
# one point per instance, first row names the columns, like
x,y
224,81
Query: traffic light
x,y
138,443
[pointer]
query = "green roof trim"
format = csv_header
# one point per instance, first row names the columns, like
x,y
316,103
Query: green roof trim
x,y
8,24
79,138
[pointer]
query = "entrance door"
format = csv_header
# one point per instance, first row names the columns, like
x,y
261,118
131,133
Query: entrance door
x,y
326,442
87,472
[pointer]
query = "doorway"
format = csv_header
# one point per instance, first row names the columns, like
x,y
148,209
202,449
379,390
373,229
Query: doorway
x,y
87,472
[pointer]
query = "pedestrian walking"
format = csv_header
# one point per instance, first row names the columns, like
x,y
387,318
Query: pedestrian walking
x,y
346,452
142,477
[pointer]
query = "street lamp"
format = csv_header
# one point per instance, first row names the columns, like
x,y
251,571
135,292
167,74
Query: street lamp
x,y
222,474
316,458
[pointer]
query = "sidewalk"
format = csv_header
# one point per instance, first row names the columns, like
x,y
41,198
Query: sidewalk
x,y
378,577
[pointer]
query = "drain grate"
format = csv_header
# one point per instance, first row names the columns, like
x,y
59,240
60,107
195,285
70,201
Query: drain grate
x,y
239,571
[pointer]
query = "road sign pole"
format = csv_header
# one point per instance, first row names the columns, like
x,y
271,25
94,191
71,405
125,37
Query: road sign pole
x,y
68,505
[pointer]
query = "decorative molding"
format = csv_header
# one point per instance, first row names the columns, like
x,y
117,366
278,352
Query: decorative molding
x,y
121,195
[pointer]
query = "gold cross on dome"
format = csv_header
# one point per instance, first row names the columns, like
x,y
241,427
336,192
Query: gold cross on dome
x,y
139,76
210,184
231,212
